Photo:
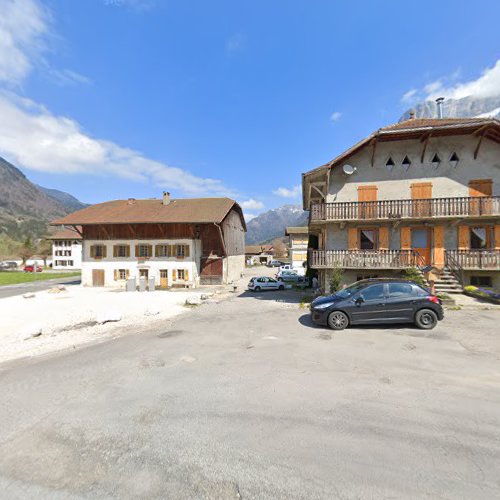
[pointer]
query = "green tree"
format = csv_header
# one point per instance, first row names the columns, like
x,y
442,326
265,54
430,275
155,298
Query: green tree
x,y
27,250
335,281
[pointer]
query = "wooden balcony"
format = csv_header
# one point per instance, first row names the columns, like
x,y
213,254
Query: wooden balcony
x,y
364,259
488,206
473,259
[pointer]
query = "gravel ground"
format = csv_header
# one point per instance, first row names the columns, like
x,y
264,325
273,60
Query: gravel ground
x,y
246,399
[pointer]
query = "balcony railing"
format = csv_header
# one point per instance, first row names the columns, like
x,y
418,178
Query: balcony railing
x,y
406,209
364,259
473,259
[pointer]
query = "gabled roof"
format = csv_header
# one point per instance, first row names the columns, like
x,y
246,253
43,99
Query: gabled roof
x,y
132,211
296,230
416,128
258,249
66,234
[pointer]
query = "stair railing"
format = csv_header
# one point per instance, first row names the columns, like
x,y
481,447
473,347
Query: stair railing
x,y
454,266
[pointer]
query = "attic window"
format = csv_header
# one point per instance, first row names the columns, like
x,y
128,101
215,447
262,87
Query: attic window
x,y
406,163
454,159
389,164
435,161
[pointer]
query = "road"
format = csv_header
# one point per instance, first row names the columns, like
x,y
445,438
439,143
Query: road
x,y
246,399
35,286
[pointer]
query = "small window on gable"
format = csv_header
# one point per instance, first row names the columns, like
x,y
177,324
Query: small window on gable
x,y
406,163
389,164
454,159
435,160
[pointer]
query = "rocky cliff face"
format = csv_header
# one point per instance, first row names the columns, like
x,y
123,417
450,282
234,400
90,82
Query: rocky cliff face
x,y
466,107
272,224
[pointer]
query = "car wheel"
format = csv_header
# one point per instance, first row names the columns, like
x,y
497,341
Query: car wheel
x,y
338,320
281,287
426,319
257,289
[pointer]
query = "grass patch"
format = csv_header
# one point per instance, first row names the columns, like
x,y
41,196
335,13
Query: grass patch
x,y
16,277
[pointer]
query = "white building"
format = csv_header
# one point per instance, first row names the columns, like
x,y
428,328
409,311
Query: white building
x,y
179,243
298,239
67,249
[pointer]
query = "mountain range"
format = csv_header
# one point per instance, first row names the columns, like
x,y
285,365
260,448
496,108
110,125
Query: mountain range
x,y
271,224
26,208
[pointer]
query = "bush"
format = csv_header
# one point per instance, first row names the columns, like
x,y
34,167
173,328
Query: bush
x,y
413,274
470,289
336,279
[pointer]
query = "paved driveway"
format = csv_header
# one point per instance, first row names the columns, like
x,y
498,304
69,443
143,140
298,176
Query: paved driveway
x,y
35,286
246,398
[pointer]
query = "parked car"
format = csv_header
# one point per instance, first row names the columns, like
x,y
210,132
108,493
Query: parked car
x,y
264,283
286,267
377,301
274,263
31,269
7,265
288,276
302,282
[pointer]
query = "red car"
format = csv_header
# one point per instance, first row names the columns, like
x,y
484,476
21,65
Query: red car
x,y
31,269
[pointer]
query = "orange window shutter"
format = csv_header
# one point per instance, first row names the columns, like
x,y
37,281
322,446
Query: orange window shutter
x,y
137,250
480,187
439,246
116,274
405,236
186,250
463,237
115,251
383,238
92,251
367,193
157,250
186,275
174,275
104,251
352,238
497,237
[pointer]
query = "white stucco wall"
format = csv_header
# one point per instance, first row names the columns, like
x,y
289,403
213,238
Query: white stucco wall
x,y
233,266
132,263
75,249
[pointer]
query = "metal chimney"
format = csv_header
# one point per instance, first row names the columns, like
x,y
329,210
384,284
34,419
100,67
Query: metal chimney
x,y
439,103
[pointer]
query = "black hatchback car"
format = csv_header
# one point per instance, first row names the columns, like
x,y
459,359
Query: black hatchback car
x,y
378,301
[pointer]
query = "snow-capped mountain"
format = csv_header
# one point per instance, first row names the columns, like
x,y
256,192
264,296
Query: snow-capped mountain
x,y
272,224
467,107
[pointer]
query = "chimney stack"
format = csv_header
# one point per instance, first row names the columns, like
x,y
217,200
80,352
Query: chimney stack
x,y
439,103
166,198
412,114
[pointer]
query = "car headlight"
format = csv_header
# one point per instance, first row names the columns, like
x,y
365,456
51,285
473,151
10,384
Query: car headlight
x,y
325,305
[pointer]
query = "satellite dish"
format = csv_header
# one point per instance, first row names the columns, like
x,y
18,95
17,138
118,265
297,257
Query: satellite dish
x,y
348,169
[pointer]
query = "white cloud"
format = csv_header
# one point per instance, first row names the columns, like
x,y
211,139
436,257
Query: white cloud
x,y
138,5
24,26
409,96
68,77
33,137
288,193
335,116
251,204
249,217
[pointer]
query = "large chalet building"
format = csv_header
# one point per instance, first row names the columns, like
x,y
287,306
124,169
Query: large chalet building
x,y
422,192
178,242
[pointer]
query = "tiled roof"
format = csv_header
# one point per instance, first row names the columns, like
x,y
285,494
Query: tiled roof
x,y
257,249
297,230
132,211
413,123
65,234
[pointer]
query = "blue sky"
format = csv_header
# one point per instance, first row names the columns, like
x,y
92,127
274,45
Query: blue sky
x,y
112,99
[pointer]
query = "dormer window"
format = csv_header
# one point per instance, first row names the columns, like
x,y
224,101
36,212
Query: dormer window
x,y
454,159
389,164
435,162
406,163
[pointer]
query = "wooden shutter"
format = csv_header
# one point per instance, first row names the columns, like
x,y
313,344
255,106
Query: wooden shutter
x,y
480,187
405,238
439,246
127,251
186,275
186,250
137,250
463,238
115,252
116,273
150,250
352,238
169,250
421,190
127,273
383,238
157,250
92,251
104,251
174,275
367,193
497,237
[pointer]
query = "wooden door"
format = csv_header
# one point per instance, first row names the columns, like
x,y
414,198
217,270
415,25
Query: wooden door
x,y
163,278
211,271
421,243
367,197
97,277
421,193
480,188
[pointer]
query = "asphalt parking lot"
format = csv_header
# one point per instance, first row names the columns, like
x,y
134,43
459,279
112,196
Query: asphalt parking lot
x,y
246,399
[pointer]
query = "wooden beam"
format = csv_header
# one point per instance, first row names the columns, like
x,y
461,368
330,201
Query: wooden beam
x,y
424,148
132,232
482,130
476,151
103,227
322,194
374,148
75,228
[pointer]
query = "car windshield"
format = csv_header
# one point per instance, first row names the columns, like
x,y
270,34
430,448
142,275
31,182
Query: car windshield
x,y
351,290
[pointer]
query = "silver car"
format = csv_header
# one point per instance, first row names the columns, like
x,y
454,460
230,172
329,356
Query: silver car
x,y
265,283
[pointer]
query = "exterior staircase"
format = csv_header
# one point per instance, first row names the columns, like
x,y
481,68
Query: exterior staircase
x,y
448,283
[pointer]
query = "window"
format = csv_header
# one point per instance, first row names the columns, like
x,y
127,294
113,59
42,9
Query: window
x,y
454,159
144,273
400,290
435,162
478,238
367,239
121,274
143,251
182,251
373,292
121,251
406,163
161,250
481,281
98,251
181,274
389,164
419,238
